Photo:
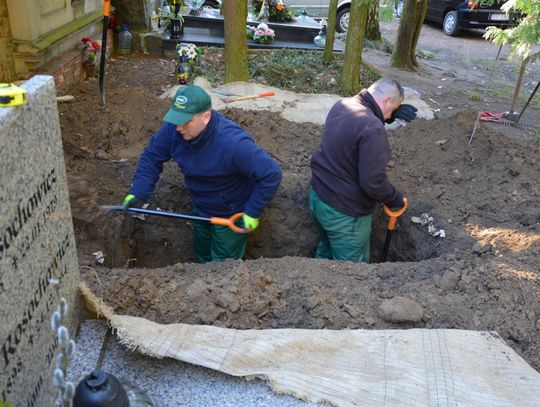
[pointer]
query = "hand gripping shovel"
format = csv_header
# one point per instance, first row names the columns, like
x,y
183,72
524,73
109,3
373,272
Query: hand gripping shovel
x,y
229,222
392,219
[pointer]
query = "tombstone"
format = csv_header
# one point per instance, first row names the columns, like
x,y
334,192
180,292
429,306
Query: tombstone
x,y
36,242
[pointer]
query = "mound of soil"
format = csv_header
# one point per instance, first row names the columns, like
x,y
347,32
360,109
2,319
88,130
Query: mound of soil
x,y
483,275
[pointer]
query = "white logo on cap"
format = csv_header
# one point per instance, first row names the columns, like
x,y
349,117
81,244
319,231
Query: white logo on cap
x,y
181,100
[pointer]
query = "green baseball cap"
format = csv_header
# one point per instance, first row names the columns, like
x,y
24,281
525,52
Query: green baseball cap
x,y
188,101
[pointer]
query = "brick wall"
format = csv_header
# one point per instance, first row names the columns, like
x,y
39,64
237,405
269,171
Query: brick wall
x,y
7,66
68,68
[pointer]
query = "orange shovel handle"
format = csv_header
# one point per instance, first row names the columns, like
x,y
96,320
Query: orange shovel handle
x,y
107,8
238,98
229,222
393,215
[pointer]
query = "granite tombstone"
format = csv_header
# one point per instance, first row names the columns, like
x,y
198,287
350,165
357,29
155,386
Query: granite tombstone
x,y
36,243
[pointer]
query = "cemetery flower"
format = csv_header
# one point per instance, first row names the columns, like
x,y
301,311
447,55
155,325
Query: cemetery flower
x,y
188,52
250,31
263,34
90,49
277,9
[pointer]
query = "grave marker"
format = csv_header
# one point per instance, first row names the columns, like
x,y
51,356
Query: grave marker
x,y
36,242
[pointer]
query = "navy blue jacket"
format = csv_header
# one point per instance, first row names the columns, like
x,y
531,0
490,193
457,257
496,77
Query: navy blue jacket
x,y
349,166
224,170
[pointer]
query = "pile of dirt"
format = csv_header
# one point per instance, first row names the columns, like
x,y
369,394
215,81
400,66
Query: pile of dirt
x,y
483,275
479,292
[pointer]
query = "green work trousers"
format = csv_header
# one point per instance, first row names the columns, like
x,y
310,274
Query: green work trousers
x,y
343,237
216,243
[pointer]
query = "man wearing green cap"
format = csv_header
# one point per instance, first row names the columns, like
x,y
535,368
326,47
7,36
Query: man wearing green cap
x,y
224,171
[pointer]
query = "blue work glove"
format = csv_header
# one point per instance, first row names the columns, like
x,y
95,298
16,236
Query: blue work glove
x,y
397,202
131,201
250,223
404,112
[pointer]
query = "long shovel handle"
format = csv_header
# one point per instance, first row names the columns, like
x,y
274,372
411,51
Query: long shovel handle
x,y
229,222
238,98
386,247
393,215
106,13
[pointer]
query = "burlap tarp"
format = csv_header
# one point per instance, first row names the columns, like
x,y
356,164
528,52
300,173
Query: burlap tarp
x,y
414,367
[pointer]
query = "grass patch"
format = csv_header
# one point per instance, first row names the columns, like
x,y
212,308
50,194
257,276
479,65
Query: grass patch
x,y
503,92
296,70
477,95
534,139
388,45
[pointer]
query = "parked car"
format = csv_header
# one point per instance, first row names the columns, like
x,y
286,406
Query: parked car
x,y
212,3
455,15
319,9
315,8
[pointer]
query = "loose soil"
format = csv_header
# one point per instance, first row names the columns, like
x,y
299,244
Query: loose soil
x,y
483,275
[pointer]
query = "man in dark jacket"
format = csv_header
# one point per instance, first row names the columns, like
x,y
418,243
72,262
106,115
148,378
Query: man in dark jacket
x,y
349,170
224,171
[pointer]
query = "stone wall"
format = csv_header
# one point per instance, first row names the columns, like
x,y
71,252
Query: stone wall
x,y
135,13
36,243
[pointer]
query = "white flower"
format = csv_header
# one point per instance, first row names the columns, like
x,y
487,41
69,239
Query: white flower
x,y
69,391
56,320
63,336
71,349
63,306
58,378
59,361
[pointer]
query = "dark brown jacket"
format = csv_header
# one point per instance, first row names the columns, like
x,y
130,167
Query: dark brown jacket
x,y
349,166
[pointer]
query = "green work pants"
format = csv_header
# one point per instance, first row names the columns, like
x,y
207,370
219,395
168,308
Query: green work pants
x,y
343,237
216,243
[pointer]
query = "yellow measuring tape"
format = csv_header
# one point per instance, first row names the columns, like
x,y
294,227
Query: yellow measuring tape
x,y
11,95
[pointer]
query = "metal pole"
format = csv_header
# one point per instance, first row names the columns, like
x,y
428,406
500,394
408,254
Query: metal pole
x,y
492,70
475,126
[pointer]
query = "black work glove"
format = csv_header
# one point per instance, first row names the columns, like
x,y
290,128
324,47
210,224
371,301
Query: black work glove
x,y
404,112
397,202
131,201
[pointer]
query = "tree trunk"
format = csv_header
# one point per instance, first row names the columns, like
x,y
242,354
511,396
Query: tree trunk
x,y
328,54
352,60
373,32
410,24
235,15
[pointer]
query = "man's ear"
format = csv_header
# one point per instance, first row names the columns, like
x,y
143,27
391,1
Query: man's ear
x,y
207,115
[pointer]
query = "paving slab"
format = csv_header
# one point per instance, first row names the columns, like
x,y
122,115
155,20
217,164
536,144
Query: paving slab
x,y
168,382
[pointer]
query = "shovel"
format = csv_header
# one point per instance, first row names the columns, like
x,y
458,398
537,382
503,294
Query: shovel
x,y
106,12
223,92
237,98
229,222
392,219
